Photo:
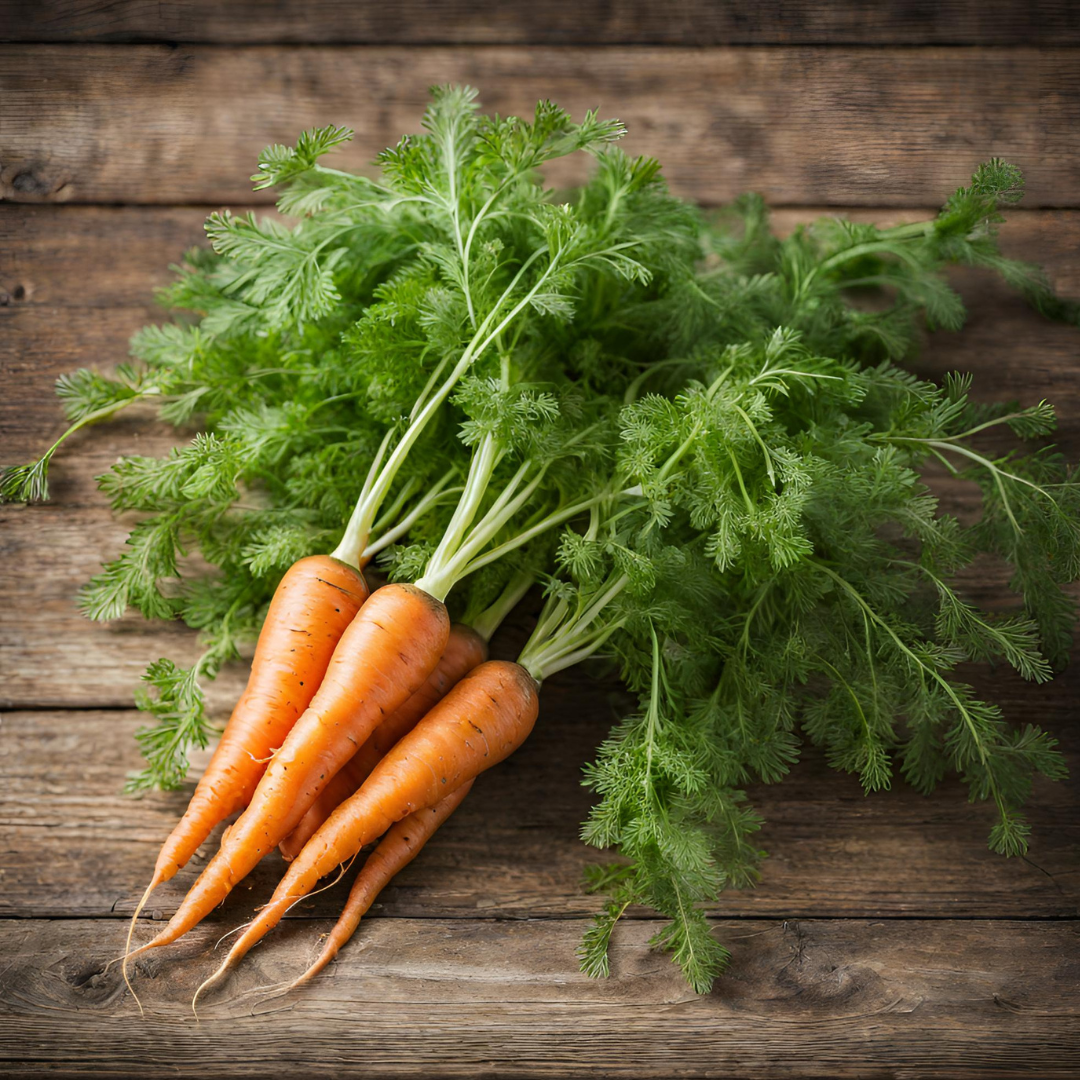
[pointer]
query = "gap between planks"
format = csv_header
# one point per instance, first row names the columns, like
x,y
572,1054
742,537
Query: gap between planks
x,y
76,846
630,915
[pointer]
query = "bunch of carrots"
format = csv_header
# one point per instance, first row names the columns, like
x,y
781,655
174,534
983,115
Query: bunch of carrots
x,y
407,712
693,437
370,715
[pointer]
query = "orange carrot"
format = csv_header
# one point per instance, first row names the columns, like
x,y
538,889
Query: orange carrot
x,y
465,649
396,850
382,659
314,602
483,720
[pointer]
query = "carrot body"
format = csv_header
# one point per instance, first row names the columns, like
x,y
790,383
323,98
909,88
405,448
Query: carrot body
x,y
316,600
396,850
465,649
483,720
382,659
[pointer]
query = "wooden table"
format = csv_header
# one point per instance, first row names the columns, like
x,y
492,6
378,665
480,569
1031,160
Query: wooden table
x,y
885,940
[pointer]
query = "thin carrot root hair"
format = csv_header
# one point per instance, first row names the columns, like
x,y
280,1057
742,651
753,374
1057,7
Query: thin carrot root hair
x,y
343,869
277,693
304,978
226,965
222,970
109,963
139,951
337,938
229,933
280,990
401,844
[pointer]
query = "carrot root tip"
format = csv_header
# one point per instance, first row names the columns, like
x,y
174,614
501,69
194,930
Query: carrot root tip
x,y
155,881
217,976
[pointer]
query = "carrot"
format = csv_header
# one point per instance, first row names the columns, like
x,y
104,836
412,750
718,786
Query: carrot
x,y
383,657
483,720
465,649
312,605
316,600
396,850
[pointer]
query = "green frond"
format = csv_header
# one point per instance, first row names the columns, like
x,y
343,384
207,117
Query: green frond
x,y
174,702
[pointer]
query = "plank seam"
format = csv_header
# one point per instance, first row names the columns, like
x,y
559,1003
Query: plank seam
x,y
8,706
721,917
554,46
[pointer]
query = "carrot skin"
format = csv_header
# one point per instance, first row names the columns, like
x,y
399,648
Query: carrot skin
x,y
483,720
382,659
465,649
316,600
396,850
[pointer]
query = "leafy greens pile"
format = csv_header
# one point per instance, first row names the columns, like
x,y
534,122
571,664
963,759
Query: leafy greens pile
x,y
721,456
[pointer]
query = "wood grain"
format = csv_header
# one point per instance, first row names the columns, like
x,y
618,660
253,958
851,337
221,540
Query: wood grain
x,y
75,284
47,250
847,998
558,22
75,846
51,655
852,126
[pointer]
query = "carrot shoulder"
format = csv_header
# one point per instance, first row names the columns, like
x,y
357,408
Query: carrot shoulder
x,y
396,850
384,656
483,720
465,649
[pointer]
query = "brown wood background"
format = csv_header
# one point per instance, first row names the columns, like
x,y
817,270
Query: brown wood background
x,y
885,940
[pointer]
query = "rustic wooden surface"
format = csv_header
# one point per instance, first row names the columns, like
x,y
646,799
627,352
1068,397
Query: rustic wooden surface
x,y
557,22
884,940
848,126
432,997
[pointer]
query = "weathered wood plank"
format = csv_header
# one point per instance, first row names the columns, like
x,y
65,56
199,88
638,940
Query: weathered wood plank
x,y
74,287
46,252
558,22
938,998
50,655
55,316
74,845
468,998
838,126
41,635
